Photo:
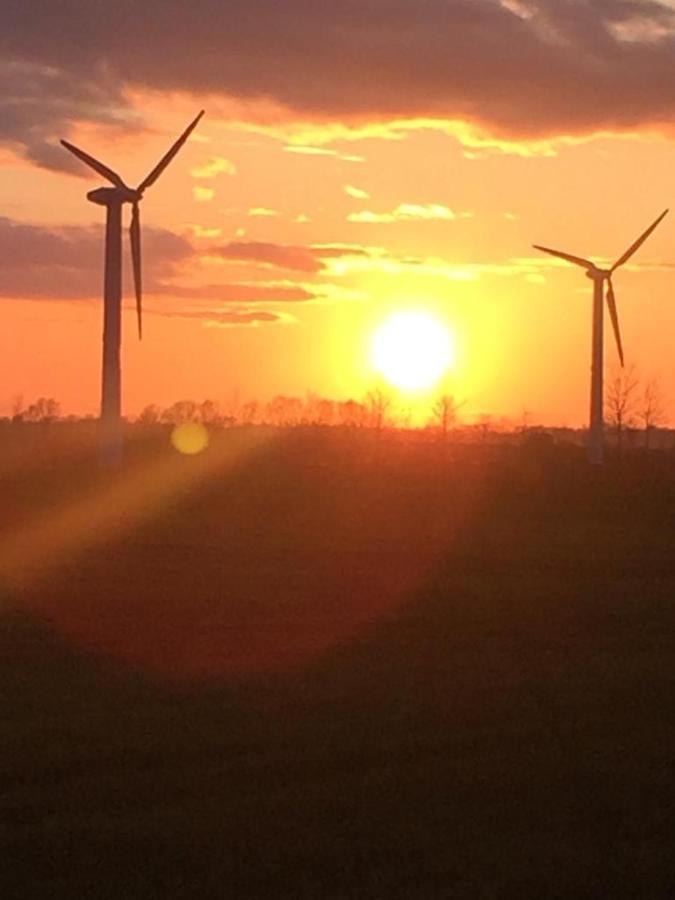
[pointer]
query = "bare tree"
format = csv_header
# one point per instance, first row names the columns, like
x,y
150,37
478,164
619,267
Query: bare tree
x,y
284,411
378,407
621,402
318,410
210,413
249,412
325,410
352,413
444,413
44,409
652,408
17,408
484,426
149,415
181,411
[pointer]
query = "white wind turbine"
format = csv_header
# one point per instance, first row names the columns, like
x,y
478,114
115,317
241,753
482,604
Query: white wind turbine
x,y
600,277
113,198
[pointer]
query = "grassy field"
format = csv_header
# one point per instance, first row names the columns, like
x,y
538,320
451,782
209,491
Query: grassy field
x,y
323,665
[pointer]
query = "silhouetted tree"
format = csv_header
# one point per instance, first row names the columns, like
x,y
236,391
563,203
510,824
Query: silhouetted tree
x,y
181,411
249,412
484,426
352,413
444,413
378,406
325,411
44,409
621,402
651,411
210,414
17,408
150,414
319,411
283,410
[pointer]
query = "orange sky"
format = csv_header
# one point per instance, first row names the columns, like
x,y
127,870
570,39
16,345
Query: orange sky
x,y
280,238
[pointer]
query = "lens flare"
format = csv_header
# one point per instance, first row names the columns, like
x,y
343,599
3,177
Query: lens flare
x,y
190,438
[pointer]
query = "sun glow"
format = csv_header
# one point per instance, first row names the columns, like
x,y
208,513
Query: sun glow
x,y
412,350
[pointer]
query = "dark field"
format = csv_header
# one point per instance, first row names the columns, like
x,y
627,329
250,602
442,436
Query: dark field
x,y
323,665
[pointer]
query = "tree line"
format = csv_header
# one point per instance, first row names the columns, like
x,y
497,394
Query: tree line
x,y
631,404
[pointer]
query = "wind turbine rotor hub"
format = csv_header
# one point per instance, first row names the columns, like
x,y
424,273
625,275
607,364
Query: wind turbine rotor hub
x,y
105,196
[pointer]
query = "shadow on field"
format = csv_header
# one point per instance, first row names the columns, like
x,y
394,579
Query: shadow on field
x,y
463,687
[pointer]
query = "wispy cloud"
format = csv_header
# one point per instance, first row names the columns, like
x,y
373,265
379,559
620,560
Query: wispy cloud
x,y
202,232
357,193
263,212
229,318
405,212
217,165
241,292
203,194
278,256
313,150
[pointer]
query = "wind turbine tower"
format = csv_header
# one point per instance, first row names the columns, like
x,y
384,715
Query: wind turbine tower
x,y
600,279
113,199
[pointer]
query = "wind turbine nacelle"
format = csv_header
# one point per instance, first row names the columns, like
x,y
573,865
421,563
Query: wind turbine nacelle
x,y
106,196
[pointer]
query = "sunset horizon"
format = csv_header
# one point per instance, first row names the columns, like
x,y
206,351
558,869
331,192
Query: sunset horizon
x,y
337,449
292,225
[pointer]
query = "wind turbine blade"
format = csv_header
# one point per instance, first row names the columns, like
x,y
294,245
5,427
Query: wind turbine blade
x,y
614,316
640,241
166,159
135,236
577,260
97,166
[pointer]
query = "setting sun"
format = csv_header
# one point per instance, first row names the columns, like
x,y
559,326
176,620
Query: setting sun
x,y
412,350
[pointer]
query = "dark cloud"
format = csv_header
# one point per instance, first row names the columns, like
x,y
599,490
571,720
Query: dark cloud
x,y
66,263
521,68
37,102
228,317
240,292
285,256
278,256
338,251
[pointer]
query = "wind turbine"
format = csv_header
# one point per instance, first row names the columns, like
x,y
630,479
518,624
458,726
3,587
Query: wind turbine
x,y
113,198
600,278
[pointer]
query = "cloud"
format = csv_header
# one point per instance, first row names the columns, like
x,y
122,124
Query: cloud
x,y
295,258
311,151
405,212
217,165
65,263
230,318
241,292
279,256
263,212
322,151
200,231
38,103
368,261
357,193
336,261
203,194
339,251
523,69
